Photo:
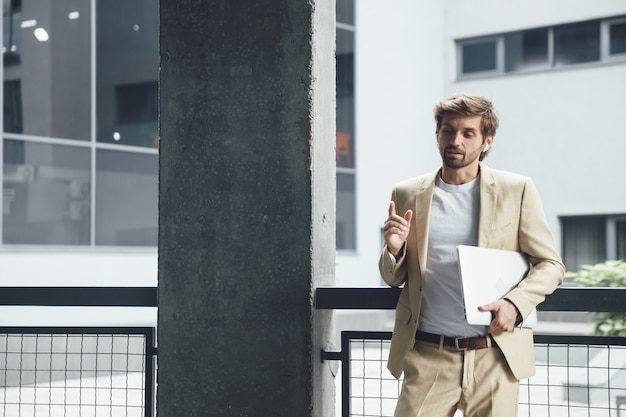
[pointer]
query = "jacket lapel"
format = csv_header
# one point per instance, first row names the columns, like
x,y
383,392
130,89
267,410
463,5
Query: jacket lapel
x,y
488,199
423,200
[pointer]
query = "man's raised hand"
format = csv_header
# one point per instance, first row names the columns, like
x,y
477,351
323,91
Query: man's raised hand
x,y
396,229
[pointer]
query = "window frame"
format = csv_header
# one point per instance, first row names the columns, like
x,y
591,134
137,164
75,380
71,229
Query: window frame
x,y
605,40
90,143
604,58
348,27
557,65
534,68
499,69
610,233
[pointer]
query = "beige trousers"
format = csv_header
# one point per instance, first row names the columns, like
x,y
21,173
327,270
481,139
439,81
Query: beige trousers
x,y
439,380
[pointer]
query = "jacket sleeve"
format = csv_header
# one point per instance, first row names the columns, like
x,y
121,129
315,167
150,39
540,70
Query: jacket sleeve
x,y
536,240
393,272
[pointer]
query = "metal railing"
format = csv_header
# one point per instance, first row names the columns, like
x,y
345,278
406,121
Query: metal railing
x,y
78,371
576,375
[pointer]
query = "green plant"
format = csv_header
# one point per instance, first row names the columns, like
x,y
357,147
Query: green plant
x,y
607,274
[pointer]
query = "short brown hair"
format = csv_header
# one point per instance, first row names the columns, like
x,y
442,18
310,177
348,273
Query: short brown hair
x,y
469,105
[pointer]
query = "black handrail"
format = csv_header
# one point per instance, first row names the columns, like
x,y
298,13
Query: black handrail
x,y
79,296
605,299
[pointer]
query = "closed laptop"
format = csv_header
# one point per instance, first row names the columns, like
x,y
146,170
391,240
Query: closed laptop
x,y
487,275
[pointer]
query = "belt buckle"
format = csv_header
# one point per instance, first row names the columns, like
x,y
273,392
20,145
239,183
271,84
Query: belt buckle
x,y
456,343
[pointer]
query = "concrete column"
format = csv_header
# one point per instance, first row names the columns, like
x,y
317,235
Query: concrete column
x,y
247,203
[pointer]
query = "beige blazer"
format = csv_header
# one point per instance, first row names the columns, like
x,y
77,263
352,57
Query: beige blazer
x,y
511,217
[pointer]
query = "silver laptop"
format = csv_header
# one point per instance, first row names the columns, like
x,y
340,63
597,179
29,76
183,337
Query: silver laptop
x,y
487,275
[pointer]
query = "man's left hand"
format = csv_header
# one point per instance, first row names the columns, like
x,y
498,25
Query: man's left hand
x,y
504,313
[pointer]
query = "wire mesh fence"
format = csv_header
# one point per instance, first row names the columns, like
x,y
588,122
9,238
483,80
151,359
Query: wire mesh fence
x,y
576,376
75,372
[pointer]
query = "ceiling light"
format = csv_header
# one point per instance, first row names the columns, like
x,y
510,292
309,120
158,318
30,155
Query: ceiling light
x,y
28,23
73,15
41,34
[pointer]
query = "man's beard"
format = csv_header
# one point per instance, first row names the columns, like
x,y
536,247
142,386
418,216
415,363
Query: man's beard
x,y
455,163
459,163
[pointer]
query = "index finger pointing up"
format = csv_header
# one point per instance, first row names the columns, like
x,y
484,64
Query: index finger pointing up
x,y
392,208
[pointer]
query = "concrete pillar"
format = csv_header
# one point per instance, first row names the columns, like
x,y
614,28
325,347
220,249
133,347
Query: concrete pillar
x,y
247,203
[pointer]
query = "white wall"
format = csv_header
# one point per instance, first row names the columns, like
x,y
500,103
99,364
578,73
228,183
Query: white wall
x,y
78,267
562,128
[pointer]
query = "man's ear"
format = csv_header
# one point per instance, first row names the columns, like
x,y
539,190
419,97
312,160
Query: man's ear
x,y
488,143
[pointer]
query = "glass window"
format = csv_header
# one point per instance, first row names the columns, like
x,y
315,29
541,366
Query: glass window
x,y
46,194
345,73
479,56
126,199
617,35
346,209
526,50
53,132
11,39
584,241
47,55
620,237
137,102
345,140
345,11
345,99
577,43
543,48
128,72
13,120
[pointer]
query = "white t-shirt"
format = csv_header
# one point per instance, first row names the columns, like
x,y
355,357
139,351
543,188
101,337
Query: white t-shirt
x,y
453,221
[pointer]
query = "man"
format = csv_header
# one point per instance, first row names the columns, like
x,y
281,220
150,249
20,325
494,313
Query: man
x,y
447,363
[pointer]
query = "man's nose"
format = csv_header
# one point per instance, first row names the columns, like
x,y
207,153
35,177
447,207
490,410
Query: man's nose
x,y
457,139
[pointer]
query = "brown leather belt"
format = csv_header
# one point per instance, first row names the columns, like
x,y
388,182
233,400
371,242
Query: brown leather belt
x,y
459,343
